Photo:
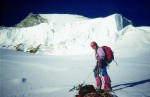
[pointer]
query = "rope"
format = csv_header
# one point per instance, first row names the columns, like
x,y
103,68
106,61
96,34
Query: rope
x,y
87,78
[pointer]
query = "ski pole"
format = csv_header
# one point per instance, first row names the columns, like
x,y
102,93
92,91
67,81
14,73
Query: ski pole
x,y
115,62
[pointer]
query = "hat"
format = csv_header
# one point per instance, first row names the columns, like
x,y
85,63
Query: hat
x,y
93,43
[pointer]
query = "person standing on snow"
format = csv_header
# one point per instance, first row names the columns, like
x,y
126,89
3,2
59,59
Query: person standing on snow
x,y
100,68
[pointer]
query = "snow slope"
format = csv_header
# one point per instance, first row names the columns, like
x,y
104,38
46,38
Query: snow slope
x,y
30,75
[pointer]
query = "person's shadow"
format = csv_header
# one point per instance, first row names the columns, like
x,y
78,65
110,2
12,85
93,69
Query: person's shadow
x,y
132,84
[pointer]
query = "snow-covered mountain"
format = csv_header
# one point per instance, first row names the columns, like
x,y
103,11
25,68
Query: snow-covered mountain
x,y
63,33
35,75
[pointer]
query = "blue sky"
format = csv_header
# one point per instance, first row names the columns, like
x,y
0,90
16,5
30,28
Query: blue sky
x,y
13,11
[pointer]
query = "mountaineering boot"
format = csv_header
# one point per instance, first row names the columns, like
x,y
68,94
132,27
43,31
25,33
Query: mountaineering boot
x,y
98,88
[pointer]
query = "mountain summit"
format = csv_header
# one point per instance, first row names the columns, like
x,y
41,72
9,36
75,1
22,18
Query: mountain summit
x,y
61,33
31,20
36,19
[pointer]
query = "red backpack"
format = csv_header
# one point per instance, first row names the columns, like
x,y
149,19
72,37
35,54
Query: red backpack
x,y
109,54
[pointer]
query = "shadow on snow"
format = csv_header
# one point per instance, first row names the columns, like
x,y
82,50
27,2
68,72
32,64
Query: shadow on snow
x,y
132,84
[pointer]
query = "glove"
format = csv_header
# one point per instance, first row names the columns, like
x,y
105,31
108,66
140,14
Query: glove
x,y
95,69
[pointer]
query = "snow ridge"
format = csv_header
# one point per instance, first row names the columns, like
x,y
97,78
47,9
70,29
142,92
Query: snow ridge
x,y
61,33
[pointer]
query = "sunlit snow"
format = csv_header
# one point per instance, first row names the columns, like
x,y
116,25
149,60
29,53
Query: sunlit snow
x,y
64,58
